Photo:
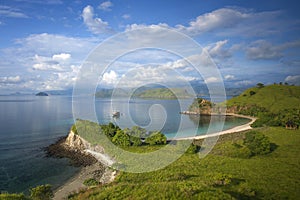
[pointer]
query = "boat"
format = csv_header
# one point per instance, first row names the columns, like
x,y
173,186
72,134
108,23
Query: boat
x,y
116,114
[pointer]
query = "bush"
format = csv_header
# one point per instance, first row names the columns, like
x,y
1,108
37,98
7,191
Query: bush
x,y
121,139
257,143
220,179
42,192
90,182
192,149
156,138
74,129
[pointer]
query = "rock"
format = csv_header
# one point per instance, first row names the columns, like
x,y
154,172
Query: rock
x,y
42,94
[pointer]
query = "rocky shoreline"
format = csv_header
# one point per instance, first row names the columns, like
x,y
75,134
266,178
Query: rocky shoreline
x,y
80,154
77,157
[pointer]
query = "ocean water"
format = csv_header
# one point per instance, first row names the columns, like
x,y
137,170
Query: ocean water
x,y
29,124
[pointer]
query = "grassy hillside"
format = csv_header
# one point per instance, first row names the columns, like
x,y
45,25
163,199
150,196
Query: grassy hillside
x,y
164,93
274,105
274,98
272,176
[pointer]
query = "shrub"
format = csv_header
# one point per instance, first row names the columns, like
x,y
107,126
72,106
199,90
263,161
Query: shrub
x,y
42,192
156,138
74,129
252,93
192,149
90,182
257,143
220,179
121,138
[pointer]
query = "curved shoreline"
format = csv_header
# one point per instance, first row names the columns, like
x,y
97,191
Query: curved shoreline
x,y
240,128
75,184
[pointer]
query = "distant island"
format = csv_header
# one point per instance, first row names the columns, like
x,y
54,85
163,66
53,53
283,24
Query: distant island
x,y
41,94
146,93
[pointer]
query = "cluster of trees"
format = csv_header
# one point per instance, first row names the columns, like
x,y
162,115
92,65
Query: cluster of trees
x,y
255,143
136,136
42,192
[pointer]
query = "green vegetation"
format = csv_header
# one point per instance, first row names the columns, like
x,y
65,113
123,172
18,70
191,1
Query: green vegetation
x,y
156,138
274,175
90,182
94,133
164,93
274,105
201,106
7,196
41,192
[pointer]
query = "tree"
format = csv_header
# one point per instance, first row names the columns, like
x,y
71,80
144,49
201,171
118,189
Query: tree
x,y
257,143
156,138
252,93
110,130
42,192
260,85
121,138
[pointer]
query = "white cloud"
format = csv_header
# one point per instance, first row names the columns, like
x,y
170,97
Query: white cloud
x,y
262,49
126,16
293,79
42,62
6,11
229,77
109,78
95,25
10,79
106,6
218,50
61,57
244,83
212,80
238,22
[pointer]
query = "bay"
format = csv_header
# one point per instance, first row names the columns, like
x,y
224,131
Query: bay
x,y
30,123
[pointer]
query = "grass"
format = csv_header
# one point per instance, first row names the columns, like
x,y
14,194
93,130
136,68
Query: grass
x,y
272,176
274,98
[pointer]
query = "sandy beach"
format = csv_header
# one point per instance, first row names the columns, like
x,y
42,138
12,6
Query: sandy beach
x,y
240,128
75,184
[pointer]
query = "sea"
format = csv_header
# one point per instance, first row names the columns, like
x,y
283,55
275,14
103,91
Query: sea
x,y
30,123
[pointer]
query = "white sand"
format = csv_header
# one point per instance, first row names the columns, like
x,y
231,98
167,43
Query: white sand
x,y
243,127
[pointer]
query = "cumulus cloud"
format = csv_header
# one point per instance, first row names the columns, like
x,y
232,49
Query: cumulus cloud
x,y
109,78
238,22
7,11
45,61
106,6
293,79
61,57
218,50
229,77
95,25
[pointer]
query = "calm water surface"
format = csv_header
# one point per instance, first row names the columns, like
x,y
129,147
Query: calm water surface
x,y
29,124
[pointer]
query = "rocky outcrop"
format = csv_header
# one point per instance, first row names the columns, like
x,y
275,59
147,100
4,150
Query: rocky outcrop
x,y
72,147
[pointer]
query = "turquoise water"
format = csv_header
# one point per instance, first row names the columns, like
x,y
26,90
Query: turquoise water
x,y
30,123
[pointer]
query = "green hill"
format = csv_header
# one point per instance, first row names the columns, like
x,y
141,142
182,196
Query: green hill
x,y
164,93
273,105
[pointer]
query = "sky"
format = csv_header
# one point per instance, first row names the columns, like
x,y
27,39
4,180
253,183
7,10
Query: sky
x,y
44,44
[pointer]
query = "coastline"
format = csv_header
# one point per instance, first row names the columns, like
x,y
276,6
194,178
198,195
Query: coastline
x,y
240,128
91,166
75,184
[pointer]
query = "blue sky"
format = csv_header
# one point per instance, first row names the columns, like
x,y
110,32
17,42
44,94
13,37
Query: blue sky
x,y
44,43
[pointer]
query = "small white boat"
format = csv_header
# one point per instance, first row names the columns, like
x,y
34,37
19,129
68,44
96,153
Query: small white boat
x,y
116,114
